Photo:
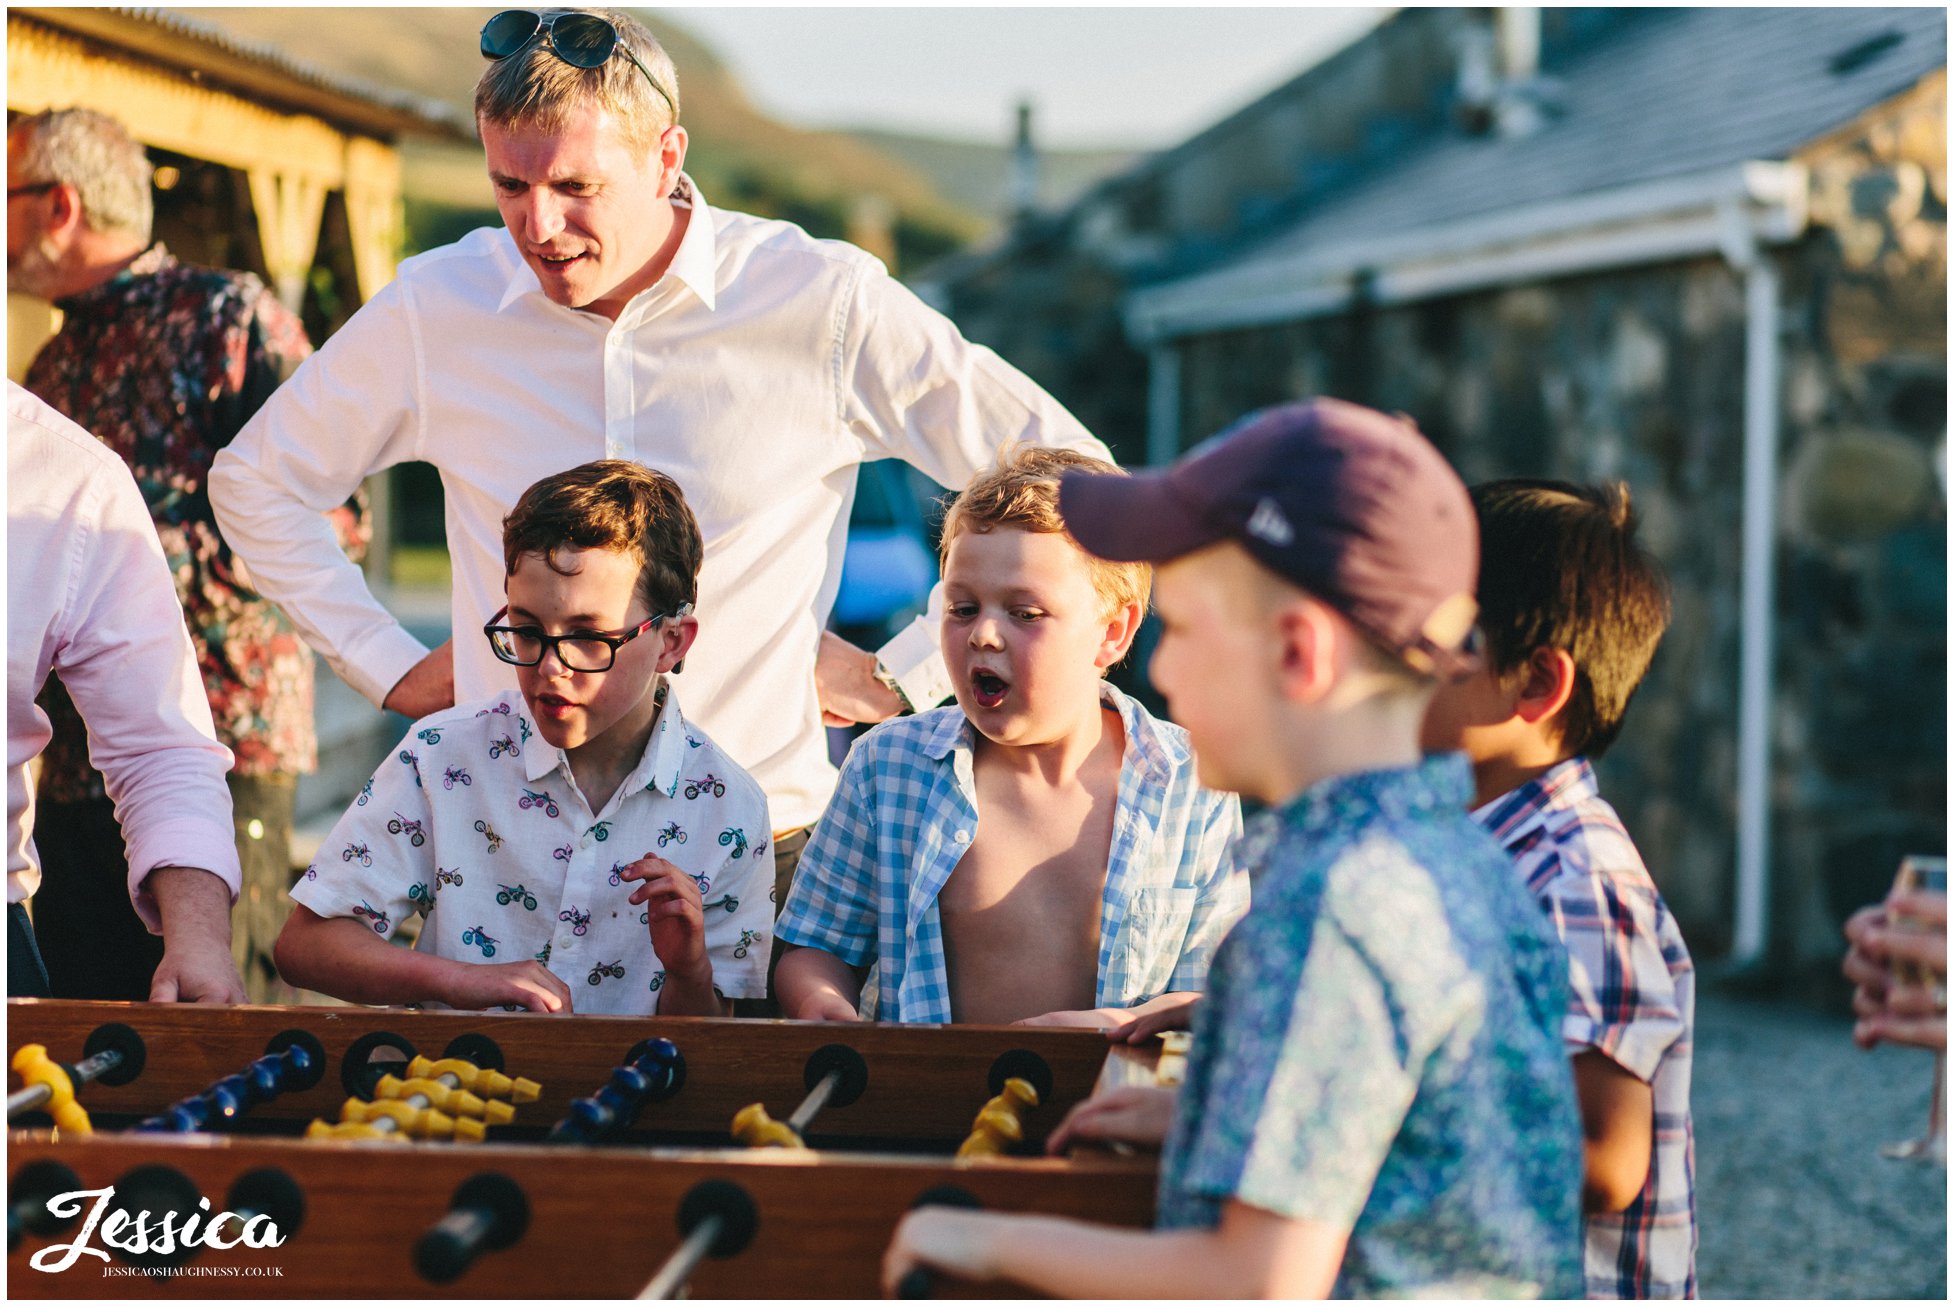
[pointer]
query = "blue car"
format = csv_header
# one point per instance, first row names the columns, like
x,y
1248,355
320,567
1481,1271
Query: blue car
x,y
888,569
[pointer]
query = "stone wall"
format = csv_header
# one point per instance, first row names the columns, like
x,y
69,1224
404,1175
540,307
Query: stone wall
x,y
1638,375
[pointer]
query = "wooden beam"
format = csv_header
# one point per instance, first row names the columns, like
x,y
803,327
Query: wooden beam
x,y
53,70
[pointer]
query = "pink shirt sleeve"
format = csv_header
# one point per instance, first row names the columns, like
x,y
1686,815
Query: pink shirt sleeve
x,y
115,634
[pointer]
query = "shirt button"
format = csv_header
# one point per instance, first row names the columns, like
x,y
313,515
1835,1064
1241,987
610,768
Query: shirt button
x,y
963,837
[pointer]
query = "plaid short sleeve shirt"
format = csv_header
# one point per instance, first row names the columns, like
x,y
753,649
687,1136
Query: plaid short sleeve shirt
x,y
1634,1000
476,824
904,811
1379,1050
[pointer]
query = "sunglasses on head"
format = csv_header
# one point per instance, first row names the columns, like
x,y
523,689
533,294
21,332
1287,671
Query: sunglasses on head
x,y
579,39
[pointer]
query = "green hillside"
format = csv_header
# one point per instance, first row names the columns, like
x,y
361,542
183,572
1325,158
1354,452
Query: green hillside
x,y
976,174
740,157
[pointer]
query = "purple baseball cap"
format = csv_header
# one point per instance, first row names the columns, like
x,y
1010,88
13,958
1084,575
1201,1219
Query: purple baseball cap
x,y
1355,507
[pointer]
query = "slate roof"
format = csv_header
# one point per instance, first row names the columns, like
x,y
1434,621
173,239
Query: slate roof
x,y
1681,91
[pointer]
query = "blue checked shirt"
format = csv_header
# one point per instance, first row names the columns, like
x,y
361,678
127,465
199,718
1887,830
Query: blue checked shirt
x,y
1634,999
905,811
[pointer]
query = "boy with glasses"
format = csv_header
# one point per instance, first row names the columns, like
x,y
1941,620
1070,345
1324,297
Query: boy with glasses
x,y
549,834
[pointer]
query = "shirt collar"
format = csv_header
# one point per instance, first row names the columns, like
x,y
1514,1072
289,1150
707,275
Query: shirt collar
x,y
695,262
1514,813
657,769
151,261
1150,753
1439,783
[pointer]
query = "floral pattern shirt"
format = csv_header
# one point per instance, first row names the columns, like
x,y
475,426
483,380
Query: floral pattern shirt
x,y
164,363
477,824
1380,1050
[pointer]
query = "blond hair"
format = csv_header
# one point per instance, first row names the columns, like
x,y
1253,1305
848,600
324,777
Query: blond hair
x,y
534,88
1021,491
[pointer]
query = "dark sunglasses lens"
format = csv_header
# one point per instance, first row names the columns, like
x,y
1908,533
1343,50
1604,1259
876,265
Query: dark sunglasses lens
x,y
583,40
507,32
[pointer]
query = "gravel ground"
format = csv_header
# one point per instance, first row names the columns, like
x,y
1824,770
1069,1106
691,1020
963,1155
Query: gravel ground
x,y
1793,1199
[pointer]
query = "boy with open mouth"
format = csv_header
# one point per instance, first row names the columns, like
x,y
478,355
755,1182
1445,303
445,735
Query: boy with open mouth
x,y
1041,851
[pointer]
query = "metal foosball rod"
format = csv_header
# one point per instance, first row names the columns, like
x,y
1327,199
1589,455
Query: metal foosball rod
x,y
652,1072
294,1061
459,1073
113,1054
835,1076
489,1211
392,1119
444,1097
718,1219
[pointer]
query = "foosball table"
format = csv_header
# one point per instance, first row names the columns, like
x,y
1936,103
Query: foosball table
x,y
188,1151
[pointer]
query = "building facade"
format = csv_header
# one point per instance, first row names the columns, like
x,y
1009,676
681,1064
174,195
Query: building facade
x,y
1703,252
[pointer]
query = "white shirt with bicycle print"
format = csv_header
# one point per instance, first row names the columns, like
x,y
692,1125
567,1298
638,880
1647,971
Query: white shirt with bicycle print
x,y
476,824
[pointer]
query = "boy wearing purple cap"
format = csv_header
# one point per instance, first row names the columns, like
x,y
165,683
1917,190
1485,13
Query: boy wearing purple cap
x,y
1376,1101
1572,608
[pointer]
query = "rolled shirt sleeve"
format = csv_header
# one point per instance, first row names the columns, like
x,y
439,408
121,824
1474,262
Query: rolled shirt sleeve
x,y
367,871
351,410
833,905
1625,1003
915,389
80,536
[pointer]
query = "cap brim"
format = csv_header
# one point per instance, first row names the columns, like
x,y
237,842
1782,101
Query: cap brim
x,y
1131,519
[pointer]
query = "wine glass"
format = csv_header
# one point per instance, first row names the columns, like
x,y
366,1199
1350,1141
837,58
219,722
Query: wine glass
x,y
1918,872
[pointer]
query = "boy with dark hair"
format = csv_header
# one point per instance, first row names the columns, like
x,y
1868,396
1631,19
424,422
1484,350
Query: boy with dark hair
x,y
1573,608
1376,1101
1096,880
511,823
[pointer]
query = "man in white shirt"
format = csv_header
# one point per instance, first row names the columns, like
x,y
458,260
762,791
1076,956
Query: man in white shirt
x,y
89,595
617,315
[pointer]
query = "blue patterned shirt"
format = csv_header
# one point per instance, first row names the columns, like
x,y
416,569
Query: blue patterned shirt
x,y
905,812
1634,1000
1380,1051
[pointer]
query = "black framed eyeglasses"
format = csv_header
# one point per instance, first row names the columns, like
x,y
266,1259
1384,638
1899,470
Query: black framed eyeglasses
x,y
31,188
579,651
579,39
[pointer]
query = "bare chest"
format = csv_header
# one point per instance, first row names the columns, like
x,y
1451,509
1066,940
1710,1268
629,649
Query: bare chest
x,y
1020,913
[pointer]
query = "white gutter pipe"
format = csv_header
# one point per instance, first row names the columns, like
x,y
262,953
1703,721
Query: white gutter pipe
x,y
1758,643
1163,404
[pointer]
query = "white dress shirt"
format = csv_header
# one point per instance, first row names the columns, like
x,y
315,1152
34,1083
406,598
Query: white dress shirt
x,y
89,595
759,372
476,823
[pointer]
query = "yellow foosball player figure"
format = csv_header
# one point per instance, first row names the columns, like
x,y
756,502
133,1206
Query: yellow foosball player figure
x,y
754,1128
1000,1122
47,1086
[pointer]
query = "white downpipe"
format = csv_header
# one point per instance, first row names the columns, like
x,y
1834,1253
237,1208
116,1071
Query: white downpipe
x,y
1163,404
1759,603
